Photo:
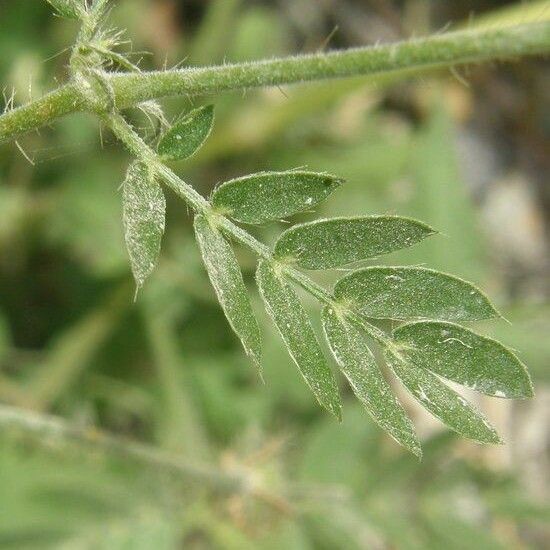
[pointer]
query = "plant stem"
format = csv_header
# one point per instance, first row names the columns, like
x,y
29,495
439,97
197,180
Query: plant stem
x,y
133,142
443,50
439,50
47,429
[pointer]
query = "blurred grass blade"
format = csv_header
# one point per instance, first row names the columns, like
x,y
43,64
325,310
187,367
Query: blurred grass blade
x,y
359,366
217,27
288,314
465,357
227,280
72,351
144,212
336,242
5,336
516,13
441,199
413,293
188,135
71,9
444,403
267,196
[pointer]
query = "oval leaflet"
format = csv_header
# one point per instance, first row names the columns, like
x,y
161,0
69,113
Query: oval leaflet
x,y
290,318
461,355
358,365
144,211
443,402
336,242
269,196
187,135
226,278
413,293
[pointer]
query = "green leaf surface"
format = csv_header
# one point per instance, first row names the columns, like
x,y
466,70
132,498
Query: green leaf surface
x,y
71,9
187,135
465,357
413,293
288,314
443,402
144,211
336,242
357,363
227,280
267,196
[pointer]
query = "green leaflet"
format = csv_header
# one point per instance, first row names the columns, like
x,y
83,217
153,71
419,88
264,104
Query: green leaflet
x,y
336,242
444,403
144,210
359,366
227,280
413,293
71,9
188,135
463,356
267,196
284,307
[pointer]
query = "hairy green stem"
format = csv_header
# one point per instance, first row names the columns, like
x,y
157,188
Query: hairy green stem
x,y
439,50
133,142
427,53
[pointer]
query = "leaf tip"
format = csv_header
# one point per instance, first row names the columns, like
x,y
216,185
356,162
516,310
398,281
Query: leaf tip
x,y
209,109
527,390
416,450
334,180
492,437
430,231
336,410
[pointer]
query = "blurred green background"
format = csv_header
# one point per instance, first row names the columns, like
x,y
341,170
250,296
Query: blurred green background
x,y
466,151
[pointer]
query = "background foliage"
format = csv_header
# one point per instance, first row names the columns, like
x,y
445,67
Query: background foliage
x,y
463,152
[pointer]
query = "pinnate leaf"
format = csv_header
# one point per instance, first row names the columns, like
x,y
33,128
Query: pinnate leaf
x,y
336,242
71,9
187,135
443,402
267,196
357,363
413,293
465,357
144,211
226,278
290,318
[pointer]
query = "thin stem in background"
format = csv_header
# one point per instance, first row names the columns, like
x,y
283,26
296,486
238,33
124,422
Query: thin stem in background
x,y
48,430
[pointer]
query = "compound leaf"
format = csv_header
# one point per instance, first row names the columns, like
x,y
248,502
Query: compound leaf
x,y
267,196
336,242
187,135
144,211
465,357
413,293
357,363
226,278
444,403
71,9
290,318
